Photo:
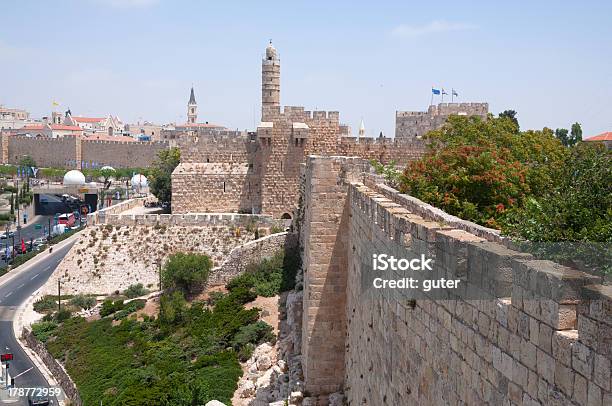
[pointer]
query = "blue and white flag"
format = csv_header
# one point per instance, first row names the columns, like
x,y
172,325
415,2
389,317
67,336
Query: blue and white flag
x,y
444,91
435,91
455,92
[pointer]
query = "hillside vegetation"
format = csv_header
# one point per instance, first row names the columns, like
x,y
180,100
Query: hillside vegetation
x,y
188,355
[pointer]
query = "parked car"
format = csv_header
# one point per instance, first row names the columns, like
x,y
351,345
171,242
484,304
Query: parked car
x,y
4,235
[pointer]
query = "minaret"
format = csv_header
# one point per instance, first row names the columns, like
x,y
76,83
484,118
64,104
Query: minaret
x,y
270,82
192,109
361,130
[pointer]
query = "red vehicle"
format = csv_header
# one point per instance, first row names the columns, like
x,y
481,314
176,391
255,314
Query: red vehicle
x,y
67,219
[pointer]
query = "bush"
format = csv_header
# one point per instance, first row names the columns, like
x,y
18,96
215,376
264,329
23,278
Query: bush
x,y
270,276
43,330
110,307
62,315
45,304
186,272
136,290
129,308
23,258
255,333
3,270
83,302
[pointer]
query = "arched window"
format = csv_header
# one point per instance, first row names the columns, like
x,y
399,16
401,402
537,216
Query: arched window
x,y
286,216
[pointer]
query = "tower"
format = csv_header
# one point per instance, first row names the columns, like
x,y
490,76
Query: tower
x,y
192,109
361,130
270,81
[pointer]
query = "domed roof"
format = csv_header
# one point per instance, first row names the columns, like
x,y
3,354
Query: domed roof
x,y
74,177
270,51
139,181
108,167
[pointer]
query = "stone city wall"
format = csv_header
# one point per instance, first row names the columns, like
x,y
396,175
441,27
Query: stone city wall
x,y
120,154
537,333
72,152
56,369
192,220
274,156
47,152
412,124
214,187
99,216
252,252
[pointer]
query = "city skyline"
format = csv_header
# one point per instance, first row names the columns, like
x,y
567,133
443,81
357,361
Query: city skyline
x,y
363,60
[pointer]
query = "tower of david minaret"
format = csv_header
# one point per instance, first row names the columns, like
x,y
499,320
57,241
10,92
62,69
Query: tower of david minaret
x,y
270,83
192,109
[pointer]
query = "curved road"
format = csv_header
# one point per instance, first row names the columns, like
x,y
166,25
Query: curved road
x,y
12,294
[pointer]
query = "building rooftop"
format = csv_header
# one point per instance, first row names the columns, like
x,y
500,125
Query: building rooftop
x,y
607,136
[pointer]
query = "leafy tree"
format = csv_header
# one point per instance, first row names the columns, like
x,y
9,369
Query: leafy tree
x,y
27,161
477,169
562,135
106,174
186,272
511,115
160,182
575,134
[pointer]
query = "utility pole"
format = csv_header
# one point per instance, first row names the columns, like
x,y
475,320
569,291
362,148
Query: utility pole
x,y
18,215
59,297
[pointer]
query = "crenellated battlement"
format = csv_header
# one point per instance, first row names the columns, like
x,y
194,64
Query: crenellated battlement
x,y
414,124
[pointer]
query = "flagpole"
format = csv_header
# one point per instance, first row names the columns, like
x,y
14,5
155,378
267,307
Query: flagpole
x,y
452,94
431,102
442,94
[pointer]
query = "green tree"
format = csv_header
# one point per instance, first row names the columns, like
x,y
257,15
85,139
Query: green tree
x,y
160,181
186,272
106,174
511,115
478,169
575,134
562,135
27,161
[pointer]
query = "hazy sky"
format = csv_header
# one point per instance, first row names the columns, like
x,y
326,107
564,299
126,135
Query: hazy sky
x,y
549,60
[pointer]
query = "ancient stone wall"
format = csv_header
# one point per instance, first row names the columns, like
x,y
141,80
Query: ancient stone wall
x,y
120,154
255,251
75,152
273,156
412,124
192,219
324,238
526,332
214,187
47,152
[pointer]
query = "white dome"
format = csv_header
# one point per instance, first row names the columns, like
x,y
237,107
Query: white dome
x,y
74,177
270,52
107,167
139,181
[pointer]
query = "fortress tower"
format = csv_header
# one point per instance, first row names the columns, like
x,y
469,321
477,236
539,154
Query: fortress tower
x,y
270,82
192,108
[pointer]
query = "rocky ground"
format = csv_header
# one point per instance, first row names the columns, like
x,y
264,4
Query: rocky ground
x,y
273,375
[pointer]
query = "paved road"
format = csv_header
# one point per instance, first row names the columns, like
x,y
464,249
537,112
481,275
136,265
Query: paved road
x,y
12,294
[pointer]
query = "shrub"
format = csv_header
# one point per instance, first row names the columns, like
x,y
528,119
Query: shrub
x,y
62,315
43,330
23,258
135,291
186,272
110,307
45,304
83,302
255,333
270,276
129,308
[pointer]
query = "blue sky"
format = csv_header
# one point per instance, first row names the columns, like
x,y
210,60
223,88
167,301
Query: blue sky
x,y
549,60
